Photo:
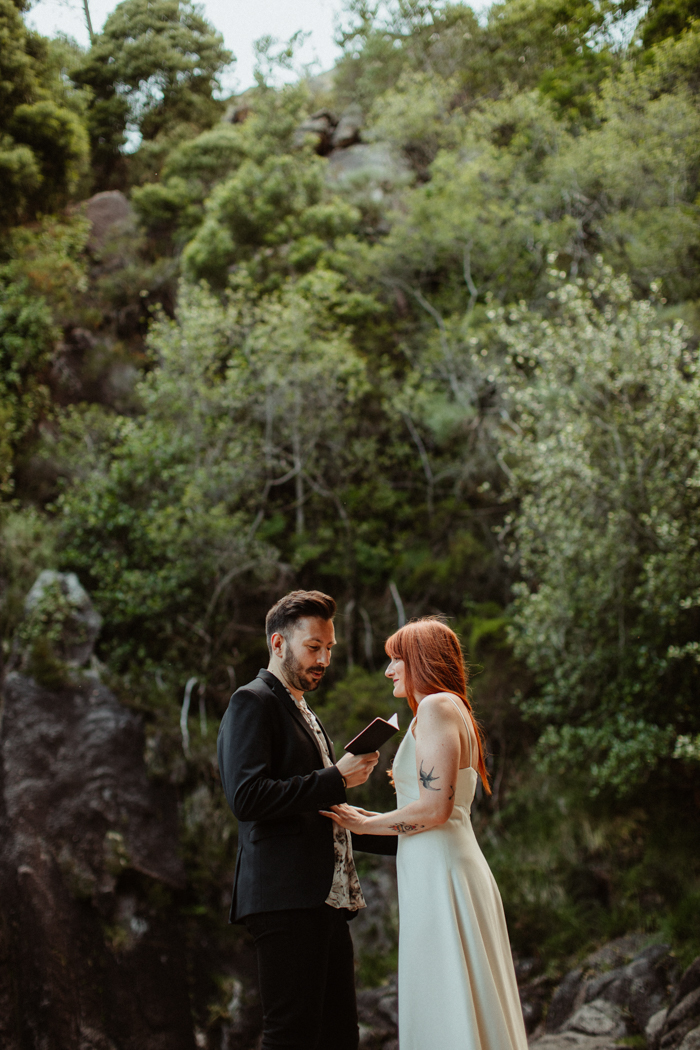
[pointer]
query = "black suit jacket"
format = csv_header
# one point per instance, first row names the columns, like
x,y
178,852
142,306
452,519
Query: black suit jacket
x,y
273,777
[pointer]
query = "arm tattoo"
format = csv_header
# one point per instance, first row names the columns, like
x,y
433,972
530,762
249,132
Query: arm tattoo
x,y
426,779
451,794
403,828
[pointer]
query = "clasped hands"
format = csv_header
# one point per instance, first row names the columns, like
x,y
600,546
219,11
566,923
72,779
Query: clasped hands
x,y
349,817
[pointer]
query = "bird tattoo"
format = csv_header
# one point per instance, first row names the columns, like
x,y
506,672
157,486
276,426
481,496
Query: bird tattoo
x,y
427,779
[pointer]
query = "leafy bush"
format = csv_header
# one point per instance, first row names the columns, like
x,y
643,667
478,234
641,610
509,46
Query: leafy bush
x,y
603,453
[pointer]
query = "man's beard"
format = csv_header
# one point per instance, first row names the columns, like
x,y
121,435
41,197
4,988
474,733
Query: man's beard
x,y
298,677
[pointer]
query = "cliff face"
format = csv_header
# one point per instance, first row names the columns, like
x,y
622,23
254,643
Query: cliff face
x,y
90,953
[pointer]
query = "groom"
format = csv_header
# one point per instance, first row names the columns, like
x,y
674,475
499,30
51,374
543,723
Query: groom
x,y
295,886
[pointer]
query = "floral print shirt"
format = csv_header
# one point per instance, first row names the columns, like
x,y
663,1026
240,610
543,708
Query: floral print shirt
x,y
346,891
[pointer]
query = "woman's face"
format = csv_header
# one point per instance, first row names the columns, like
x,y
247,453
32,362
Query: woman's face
x,y
397,672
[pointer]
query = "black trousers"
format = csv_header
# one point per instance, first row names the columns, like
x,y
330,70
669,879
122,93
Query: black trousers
x,y
307,978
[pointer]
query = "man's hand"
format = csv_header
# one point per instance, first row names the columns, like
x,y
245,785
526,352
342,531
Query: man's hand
x,y
357,768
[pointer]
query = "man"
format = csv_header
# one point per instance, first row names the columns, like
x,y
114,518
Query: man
x,y
295,886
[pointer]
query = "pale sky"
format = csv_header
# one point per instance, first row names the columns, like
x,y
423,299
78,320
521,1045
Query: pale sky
x,y
241,24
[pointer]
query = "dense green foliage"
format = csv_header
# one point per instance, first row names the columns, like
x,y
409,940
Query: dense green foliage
x,y
606,403
458,376
152,71
43,141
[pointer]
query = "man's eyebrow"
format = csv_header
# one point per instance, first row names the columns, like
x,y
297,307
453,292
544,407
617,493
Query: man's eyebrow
x,y
320,641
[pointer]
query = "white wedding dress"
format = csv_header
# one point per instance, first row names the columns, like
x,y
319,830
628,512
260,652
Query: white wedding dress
x,y
457,988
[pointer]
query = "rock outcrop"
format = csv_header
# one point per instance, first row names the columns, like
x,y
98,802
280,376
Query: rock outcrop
x,y
330,132
375,166
109,213
622,992
90,953
378,1012
66,613
321,126
347,130
678,1027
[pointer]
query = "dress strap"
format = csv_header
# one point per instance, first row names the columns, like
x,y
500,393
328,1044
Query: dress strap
x,y
467,726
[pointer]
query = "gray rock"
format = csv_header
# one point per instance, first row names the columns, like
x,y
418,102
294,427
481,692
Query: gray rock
x,y
59,602
689,981
321,126
687,1007
109,212
682,1019
599,1018
691,1041
640,988
347,132
375,929
654,1028
88,846
598,985
628,973
573,1041
564,1000
377,163
378,1013
617,952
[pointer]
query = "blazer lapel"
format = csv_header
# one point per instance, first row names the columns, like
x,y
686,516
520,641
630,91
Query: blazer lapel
x,y
287,702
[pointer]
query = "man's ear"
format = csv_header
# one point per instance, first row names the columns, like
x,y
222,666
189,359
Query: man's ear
x,y
277,642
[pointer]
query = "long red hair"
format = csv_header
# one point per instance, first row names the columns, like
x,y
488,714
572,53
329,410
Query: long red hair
x,y
434,663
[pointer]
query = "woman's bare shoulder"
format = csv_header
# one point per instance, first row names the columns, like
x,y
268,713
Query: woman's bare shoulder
x,y
439,705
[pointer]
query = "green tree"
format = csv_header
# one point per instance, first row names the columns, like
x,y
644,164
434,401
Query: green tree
x,y
275,218
38,284
155,66
604,456
668,18
169,514
173,207
43,143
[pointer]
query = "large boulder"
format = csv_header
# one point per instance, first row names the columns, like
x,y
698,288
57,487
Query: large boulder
x,y
109,214
347,131
598,1018
627,978
91,953
58,608
375,164
681,1025
321,127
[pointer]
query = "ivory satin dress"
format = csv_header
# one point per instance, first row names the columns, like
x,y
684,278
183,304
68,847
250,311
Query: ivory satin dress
x,y
457,987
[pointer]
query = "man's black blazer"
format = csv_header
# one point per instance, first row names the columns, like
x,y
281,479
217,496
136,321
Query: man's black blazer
x,y
273,777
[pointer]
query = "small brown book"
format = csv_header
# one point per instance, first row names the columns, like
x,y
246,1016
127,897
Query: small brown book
x,y
373,736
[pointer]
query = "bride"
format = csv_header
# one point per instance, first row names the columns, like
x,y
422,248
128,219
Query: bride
x,y
457,988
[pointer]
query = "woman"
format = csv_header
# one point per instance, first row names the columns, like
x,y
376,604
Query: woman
x,y
457,988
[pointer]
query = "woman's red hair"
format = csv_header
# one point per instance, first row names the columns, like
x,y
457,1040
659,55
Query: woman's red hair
x,y
434,663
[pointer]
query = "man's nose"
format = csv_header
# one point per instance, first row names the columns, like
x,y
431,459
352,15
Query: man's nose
x,y
325,658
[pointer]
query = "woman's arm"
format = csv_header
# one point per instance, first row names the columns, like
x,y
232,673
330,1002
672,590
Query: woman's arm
x,y
437,765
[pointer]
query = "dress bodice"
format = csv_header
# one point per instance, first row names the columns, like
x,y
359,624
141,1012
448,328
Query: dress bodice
x,y
406,776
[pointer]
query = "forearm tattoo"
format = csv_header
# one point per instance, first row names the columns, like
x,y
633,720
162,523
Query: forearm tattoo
x,y
404,828
427,779
452,793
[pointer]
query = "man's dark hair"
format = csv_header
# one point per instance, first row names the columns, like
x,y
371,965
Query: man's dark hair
x,y
294,606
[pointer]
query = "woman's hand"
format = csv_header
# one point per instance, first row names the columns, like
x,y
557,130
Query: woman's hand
x,y
349,817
